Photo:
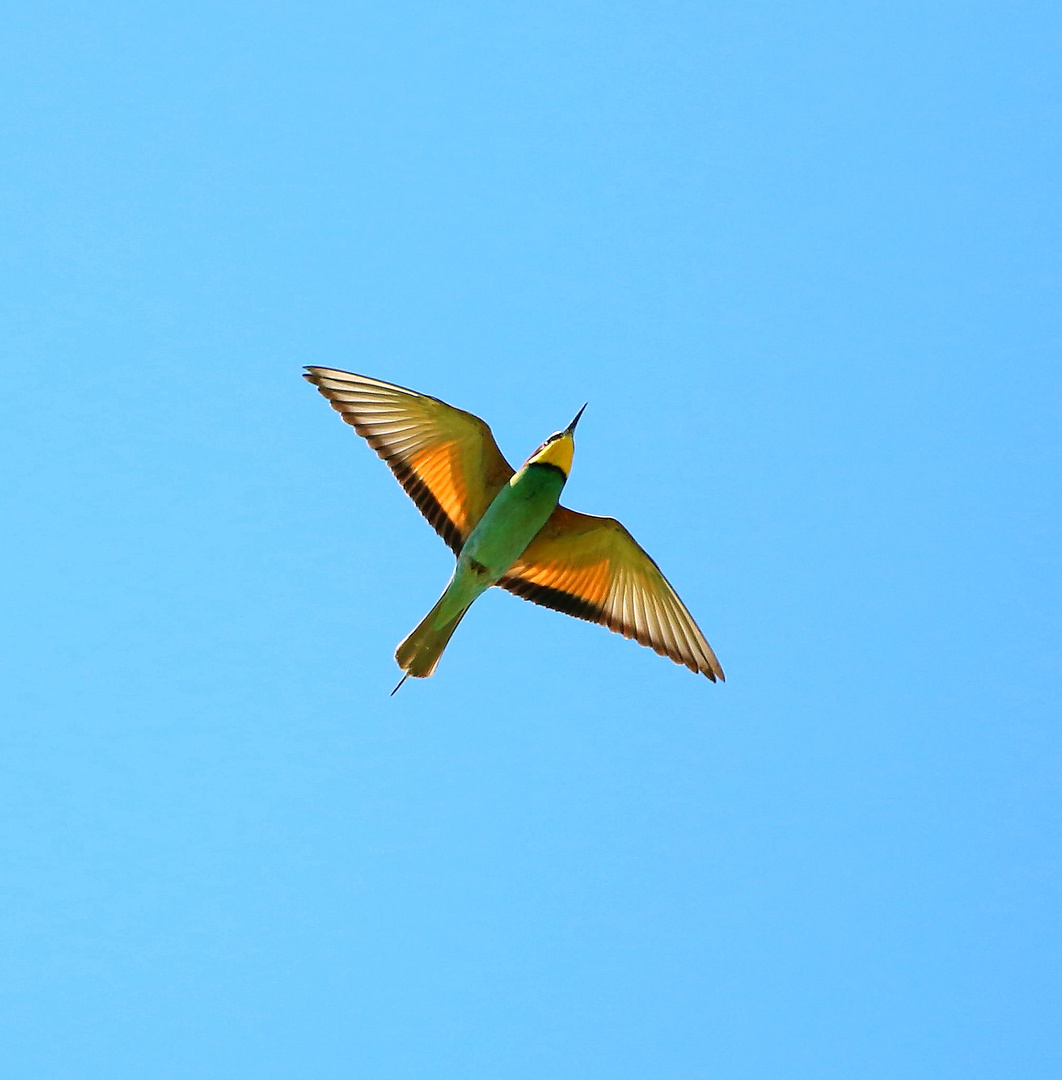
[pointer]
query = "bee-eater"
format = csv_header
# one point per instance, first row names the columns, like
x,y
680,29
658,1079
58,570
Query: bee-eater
x,y
508,528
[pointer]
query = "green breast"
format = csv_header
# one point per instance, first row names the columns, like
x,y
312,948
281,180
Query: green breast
x,y
519,510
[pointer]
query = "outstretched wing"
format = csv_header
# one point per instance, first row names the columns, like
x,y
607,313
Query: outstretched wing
x,y
446,459
592,568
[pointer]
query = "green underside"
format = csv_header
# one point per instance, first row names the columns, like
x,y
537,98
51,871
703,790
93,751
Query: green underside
x,y
511,522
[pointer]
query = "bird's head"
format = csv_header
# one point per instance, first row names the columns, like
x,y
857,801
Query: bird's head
x,y
558,449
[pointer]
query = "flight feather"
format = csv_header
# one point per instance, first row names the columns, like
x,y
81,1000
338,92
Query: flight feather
x,y
592,568
445,458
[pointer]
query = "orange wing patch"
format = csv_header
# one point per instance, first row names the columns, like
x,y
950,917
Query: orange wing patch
x,y
592,568
589,584
439,469
445,458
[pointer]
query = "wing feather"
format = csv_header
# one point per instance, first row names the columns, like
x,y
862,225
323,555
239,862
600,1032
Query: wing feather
x,y
445,458
592,568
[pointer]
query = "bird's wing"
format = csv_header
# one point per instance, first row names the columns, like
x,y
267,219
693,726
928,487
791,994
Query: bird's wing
x,y
446,459
592,568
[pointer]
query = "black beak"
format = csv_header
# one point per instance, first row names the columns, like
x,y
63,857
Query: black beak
x,y
570,429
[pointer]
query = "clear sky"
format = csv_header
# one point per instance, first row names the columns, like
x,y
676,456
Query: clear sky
x,y
802,259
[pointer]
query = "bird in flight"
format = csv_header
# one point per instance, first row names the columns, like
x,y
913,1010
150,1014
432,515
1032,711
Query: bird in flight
x,y
508,528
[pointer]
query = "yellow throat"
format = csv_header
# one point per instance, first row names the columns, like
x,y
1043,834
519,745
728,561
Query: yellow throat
x,y
558,451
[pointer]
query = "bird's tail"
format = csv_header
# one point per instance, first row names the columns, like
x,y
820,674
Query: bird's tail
x,y
420,652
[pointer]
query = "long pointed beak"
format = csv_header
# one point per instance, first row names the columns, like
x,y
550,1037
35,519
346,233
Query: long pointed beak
x,y
570,429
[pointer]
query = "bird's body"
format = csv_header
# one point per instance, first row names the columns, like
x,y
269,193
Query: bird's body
x,y
508,528
513,519
511,522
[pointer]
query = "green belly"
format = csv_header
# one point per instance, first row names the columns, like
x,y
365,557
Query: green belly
x,y
511,522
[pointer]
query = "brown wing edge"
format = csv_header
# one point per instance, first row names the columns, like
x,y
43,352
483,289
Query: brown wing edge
x,y
414,487
557,599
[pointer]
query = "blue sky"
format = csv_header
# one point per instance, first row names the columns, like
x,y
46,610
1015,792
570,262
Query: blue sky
x,y
802,261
